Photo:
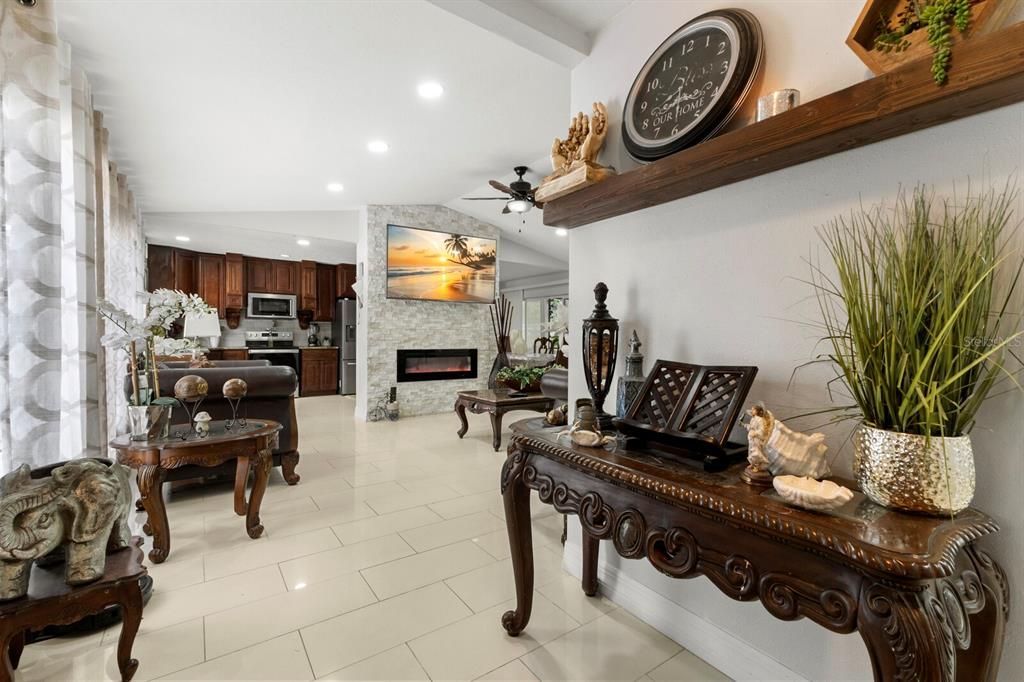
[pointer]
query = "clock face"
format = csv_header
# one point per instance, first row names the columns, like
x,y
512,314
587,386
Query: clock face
x,y
692,84
684,83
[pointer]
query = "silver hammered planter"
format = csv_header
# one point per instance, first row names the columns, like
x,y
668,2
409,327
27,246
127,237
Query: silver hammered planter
x,y
930,475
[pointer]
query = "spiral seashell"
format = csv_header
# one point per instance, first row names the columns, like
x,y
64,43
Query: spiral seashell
x,y
235,388
191,388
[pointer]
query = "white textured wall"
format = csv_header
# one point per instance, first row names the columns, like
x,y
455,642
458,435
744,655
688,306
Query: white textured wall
x,y
713,278
392,324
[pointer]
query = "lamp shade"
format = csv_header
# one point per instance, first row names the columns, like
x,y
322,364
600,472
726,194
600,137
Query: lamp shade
x,y
201,324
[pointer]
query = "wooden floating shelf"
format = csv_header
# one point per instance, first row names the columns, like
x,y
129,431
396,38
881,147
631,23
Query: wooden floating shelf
x,y
986,73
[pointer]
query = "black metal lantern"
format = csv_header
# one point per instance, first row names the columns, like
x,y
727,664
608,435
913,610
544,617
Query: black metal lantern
x,y
600,346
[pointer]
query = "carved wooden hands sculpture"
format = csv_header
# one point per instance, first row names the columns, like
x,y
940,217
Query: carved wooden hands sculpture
x,y
582,145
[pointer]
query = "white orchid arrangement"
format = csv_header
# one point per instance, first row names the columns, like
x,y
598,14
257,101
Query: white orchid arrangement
x,y
164,307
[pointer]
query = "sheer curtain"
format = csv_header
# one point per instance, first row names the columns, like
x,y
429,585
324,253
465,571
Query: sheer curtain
x,y
69,235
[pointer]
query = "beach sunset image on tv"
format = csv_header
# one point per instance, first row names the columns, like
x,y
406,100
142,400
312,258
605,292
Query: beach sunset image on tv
x,y
428,265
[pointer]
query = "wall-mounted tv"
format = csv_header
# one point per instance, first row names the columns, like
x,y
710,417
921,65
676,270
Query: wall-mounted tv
x,y
429,265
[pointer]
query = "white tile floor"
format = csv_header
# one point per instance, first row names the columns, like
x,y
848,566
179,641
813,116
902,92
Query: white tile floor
x,y
388,561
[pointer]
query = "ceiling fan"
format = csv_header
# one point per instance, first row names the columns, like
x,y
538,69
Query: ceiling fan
x,y
520,194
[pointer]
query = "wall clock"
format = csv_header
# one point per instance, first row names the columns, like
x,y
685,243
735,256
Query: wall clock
x,y
693,84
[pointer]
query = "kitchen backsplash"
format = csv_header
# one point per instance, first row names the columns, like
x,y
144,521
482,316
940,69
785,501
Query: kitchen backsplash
x,y
235,338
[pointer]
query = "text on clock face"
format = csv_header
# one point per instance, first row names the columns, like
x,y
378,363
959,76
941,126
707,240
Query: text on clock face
x,y
682,84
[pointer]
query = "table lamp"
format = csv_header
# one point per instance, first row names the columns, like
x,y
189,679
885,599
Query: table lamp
x,y
201,324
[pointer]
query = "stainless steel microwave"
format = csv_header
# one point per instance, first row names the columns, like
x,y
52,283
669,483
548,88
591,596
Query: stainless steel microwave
x,y
271,306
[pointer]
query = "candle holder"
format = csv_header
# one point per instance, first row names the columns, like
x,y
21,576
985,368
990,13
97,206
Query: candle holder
x,y
600,347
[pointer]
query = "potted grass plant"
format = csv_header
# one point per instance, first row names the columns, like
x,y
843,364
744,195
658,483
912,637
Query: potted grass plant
x,y
922,329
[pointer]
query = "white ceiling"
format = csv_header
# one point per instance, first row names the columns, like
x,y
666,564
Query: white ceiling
x,y
588,16
264,234
238,107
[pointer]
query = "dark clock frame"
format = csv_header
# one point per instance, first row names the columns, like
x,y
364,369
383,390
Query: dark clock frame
x,y
750,57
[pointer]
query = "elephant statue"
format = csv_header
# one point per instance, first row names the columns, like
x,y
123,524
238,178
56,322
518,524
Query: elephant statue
x,y
81,505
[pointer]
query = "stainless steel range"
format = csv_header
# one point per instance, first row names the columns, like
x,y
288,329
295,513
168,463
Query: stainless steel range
x,y
278,347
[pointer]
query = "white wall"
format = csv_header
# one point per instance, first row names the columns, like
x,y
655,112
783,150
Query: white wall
x,y
714,278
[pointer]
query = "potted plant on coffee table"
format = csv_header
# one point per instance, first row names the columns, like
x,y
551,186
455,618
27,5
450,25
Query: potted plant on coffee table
x,y
919,319
521,378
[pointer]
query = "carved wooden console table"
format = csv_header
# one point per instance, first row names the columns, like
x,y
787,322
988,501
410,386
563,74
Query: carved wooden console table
x,y
929,603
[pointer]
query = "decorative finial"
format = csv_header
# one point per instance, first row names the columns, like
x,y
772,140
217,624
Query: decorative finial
x,y
600,295
634,344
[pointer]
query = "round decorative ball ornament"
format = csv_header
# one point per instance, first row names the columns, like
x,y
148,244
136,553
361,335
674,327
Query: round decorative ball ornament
x,y
190,388
235,388
693,84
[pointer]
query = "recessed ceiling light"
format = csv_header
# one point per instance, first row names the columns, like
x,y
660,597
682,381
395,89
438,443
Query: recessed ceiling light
x,y
335,186
183,238
430,89
302,242
377,146
285,255
561,232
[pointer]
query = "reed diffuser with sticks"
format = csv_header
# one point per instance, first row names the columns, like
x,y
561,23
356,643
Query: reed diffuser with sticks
x,y
501,325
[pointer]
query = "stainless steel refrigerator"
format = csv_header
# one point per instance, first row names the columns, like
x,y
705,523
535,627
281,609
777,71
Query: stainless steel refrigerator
x,y
343,330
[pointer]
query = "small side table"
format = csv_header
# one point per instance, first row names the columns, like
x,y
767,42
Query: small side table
x,y
496,402
51,601
153,459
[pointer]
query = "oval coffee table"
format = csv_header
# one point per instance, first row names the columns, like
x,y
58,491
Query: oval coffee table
x,y
252,445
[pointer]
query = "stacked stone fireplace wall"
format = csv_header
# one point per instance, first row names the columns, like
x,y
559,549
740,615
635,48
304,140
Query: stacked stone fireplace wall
x,y
393,324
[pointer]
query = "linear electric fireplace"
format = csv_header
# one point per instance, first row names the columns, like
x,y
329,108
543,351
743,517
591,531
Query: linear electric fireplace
x,y
442,363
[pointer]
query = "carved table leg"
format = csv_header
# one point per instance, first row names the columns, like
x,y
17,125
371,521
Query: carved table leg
x,y
496,429
6,665
288,463
908,634
241,478
259,487
460,410
591,545
987,625
520,538
151,479
131,616
15,649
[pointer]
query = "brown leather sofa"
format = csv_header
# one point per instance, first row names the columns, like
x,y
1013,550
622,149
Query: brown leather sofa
x,y
271,395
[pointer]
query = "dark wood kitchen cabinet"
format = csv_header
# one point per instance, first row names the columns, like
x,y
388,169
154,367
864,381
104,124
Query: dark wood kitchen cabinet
x,y
159,267
211,280
234,280
259,276
215,354
319,367
307,285
345,276
186,271
325,292
286,277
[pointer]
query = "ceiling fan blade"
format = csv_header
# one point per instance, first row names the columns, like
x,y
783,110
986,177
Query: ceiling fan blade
x,y
484,198
500,187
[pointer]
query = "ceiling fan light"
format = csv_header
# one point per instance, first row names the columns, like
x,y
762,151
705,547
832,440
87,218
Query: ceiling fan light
x,y
519,205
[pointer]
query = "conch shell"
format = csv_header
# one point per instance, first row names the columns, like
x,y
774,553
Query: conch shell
x,y
801,491
781,450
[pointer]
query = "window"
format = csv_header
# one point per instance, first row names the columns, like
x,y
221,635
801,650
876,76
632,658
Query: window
x,y
538,315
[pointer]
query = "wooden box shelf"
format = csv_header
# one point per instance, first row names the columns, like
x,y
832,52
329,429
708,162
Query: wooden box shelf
x,y
986,72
